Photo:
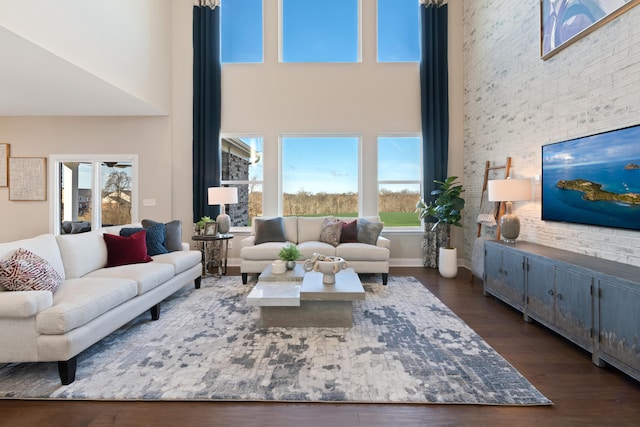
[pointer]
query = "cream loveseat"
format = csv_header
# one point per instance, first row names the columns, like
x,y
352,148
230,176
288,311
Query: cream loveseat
x,y
91,300
363,248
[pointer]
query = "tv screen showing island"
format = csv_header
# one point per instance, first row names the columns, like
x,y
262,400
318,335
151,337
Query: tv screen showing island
x,y
593,180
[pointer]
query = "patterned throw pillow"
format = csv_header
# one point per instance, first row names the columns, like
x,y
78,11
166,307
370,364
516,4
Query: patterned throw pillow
x,y
26,271
155,238
331,231
173,233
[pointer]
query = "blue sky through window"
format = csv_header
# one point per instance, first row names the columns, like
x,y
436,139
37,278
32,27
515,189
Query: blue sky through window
x,y
241,23
320,164
320,31
398,31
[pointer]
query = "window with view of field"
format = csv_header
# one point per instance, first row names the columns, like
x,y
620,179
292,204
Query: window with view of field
x,y
320,175
399,179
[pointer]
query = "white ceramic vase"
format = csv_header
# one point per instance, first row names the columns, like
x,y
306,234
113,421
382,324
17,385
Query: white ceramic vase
x,y
448,262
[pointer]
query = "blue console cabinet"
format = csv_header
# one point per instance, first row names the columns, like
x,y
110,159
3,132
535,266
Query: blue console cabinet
x,y
595,303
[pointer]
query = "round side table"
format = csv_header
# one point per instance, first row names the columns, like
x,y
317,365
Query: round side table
x,y
224,250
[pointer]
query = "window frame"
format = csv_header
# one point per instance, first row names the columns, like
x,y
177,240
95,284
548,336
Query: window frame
x,y
419,181
281,38
281,165
235,183
96,189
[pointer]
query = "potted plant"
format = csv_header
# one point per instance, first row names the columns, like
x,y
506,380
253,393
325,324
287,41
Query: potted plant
x,y
289,254
438,216
200,224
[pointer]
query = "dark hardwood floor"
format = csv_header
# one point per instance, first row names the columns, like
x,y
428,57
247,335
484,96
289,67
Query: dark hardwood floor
x,y
583,394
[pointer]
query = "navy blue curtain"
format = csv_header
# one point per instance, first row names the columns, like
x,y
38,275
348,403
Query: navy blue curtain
x,y
434,94
207,89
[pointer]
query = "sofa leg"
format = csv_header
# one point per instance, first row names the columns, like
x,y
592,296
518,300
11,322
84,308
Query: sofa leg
x,y
67,370
385,277
155,312
198,282
245,278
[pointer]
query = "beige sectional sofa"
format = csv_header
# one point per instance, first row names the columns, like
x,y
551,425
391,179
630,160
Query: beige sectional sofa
x,y
305,233
92,300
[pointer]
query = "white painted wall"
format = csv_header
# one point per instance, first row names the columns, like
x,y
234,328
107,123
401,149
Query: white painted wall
x,y
515,103
123,42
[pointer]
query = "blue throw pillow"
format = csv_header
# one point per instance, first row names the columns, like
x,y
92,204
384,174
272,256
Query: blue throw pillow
x,y
155,238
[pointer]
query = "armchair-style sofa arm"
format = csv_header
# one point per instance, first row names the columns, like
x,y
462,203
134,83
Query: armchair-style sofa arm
x,y
24,304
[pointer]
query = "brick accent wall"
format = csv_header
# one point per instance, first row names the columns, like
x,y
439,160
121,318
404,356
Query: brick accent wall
x,y
515,102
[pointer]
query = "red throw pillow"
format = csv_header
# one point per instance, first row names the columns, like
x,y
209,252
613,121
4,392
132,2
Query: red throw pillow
x,y
349,232
123,250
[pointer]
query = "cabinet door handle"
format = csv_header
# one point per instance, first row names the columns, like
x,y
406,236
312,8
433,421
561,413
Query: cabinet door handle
x,y
550,292
560,296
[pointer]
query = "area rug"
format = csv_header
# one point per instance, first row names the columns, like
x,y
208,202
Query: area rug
x,y
405,346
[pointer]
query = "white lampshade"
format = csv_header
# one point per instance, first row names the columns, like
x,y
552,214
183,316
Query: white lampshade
x,y
223,195
509,190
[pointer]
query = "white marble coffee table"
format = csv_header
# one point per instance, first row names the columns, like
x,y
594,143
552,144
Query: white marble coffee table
x,y
309,303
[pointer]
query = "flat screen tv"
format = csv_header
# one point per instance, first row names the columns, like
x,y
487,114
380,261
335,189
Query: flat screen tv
x,y
594,179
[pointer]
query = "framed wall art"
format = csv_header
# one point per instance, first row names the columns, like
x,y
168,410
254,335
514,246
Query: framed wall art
x,y
4,166
27,178
563,22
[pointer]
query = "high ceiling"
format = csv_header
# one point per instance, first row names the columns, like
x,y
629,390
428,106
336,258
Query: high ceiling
x,y
36,82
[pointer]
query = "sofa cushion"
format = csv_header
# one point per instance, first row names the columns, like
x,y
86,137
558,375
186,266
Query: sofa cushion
x,y
309,229
146,276
349,233
26,271
43,245
362,252
155,238
180,260
78,301
82,253
311,247
173,233
368,232
123,250
25,304
269,230
265,251
331,231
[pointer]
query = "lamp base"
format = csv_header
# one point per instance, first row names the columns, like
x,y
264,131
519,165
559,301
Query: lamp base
x,y
509,228
224,223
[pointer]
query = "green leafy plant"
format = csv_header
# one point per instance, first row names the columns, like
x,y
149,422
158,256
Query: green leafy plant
x,y
289,253
448,205
203,221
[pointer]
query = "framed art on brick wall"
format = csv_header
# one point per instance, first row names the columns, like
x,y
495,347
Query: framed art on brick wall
x,y
4,167
562,22
27,178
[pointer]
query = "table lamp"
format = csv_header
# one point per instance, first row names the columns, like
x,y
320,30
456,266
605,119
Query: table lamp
x,y
223,196
509,190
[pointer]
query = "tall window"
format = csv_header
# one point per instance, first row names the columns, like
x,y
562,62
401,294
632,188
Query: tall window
x,y
320,31
320,175
93,192
398,31
242,167
399,179
241,26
